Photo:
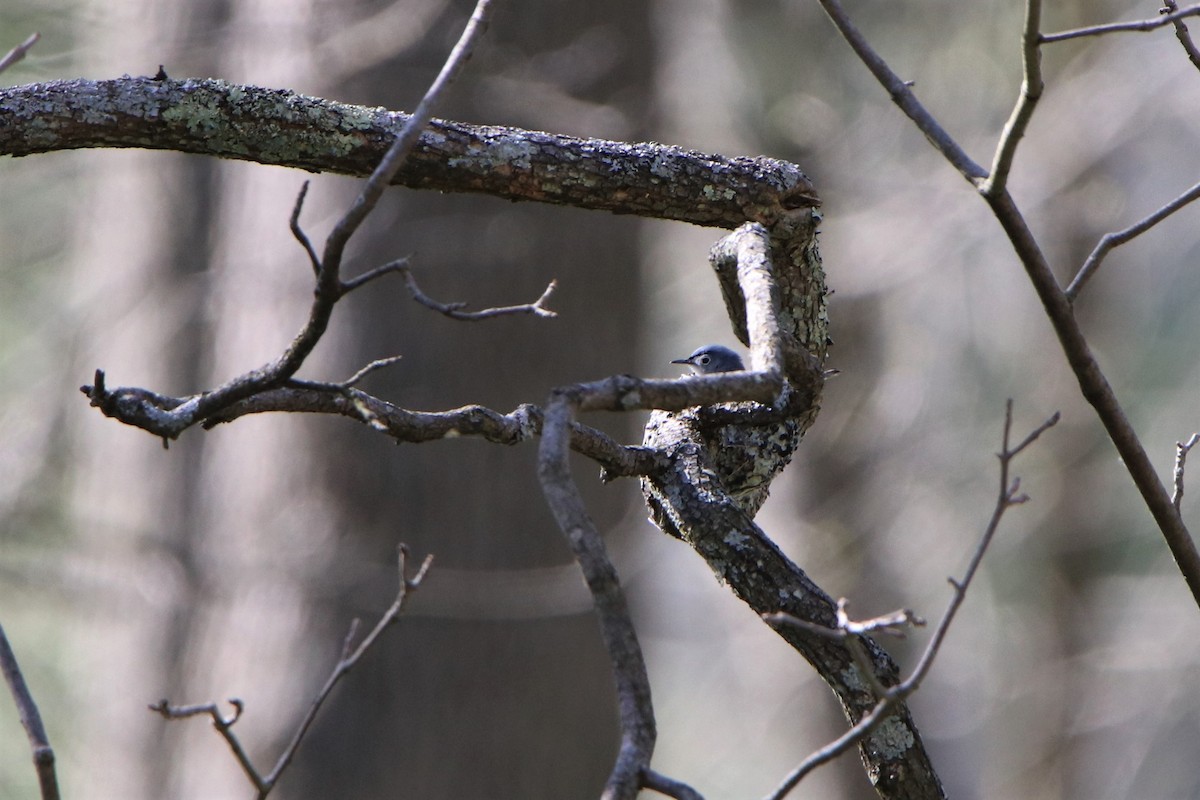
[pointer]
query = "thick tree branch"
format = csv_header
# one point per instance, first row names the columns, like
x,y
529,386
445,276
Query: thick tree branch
x,y
269,126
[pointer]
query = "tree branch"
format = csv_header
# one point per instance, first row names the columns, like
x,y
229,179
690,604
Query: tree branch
x,y
849,632
270,126
1181,33
1119,27
1181,453
902,95
455,310
1092,382
19,52
1115,239
31,719
350,656
1031,91
638,731
145,410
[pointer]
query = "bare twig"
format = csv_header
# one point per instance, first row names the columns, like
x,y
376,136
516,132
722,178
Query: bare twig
x,y
388,167
350,656
18,52
1031,91
361,280
346,663
224,726
1008,496
31,718
1181,454
1181,33
298,232
1118,238
1118,27
455,310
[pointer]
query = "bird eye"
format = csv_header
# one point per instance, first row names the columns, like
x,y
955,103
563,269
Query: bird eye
x,y
703,360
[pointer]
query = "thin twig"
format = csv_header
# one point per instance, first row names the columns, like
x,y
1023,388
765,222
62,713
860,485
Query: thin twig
x,y
1118,238
346,663
1118,27
224,726
455,310
390,164
1031,91
31,718
1181,33
18,52
370,275
1181,453
350,656
300,235
1008,496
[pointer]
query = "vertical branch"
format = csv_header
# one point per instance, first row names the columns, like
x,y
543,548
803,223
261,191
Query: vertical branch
x,y
638,731
1031,91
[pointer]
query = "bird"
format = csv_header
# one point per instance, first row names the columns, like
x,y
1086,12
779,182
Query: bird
x,y
742,453
710,359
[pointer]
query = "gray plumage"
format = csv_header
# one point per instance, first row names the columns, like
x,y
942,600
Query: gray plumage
x,y
712,358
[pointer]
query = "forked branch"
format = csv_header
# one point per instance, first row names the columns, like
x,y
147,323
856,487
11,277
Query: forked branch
x,y
350,656
848,631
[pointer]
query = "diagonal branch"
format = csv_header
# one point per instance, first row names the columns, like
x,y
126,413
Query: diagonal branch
x,y
19,52
31,719
1117,238
848,632
638,731
1093,385
902,95
350,656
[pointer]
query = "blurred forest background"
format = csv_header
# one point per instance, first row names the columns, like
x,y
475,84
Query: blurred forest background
x,y
232,563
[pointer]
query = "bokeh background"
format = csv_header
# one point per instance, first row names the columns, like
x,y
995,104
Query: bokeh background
x,y
232,563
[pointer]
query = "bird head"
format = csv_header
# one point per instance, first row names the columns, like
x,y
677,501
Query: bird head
x,y
712,358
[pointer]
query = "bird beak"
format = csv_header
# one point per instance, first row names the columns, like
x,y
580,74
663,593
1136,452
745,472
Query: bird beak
x,y
681,361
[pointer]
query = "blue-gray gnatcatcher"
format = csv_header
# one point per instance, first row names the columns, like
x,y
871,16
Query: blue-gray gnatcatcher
x,y
712,358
